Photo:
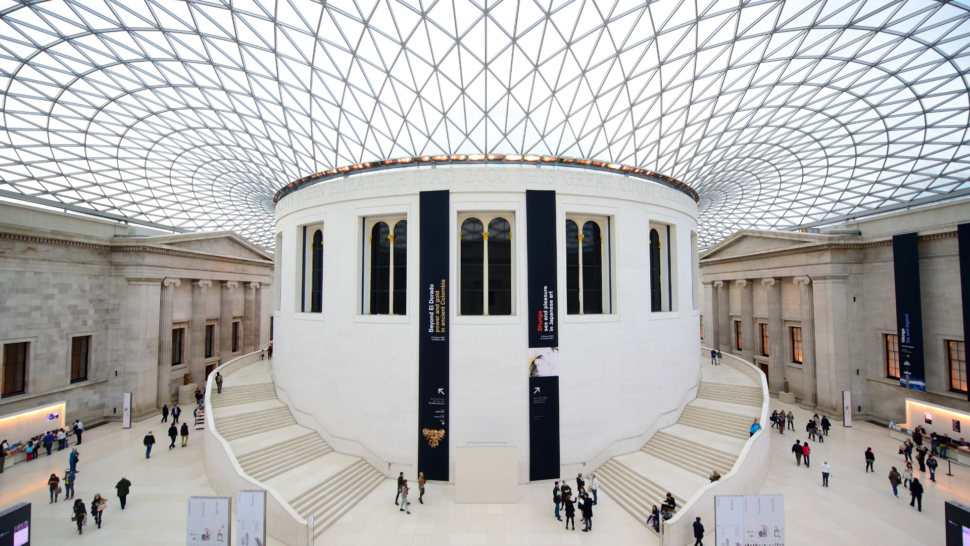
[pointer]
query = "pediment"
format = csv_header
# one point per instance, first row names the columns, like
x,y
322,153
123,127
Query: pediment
x,y
222,243
747,242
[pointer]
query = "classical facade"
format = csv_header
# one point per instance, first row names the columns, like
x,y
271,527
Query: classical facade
x,y
92,309
819,310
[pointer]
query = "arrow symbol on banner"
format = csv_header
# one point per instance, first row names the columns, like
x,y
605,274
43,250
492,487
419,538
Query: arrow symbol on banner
x,y
536,391
441,391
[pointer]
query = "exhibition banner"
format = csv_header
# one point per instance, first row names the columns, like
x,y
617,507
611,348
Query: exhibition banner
x,y
543,428
208,520
909,314
749,520
433,345
963,233
540,215
251,518
15,525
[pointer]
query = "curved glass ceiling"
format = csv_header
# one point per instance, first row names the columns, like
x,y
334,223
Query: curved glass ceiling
x,y
193,114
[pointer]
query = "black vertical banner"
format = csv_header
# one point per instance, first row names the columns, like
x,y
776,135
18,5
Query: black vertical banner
x,y
540,211
909,311
963,233
433,345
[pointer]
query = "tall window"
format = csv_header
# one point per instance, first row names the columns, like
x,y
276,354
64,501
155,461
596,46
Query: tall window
x,y
235,337
764,339
737,335
14,369
796,344
656,284
316,273
587,267
892,355
956,354
80,353
486,266
209,329
702,326
386,267
178,339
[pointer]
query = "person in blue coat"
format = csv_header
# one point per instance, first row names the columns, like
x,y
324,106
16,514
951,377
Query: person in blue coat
x,y
698,532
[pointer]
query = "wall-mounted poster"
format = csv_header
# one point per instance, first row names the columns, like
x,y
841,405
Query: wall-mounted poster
x,y
927,418
208,520
749,520
251,518
956,426
909,312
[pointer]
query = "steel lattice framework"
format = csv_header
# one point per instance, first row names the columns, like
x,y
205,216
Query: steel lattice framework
x,y
192,114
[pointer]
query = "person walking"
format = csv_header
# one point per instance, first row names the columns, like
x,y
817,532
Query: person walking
x,y
791,421
421,482
870,459
79,513
908,475
826,471
755,427
176,412
895,479
149,441
806,451
72,460
916,491
698,532
594,485
719,357
587,513
219,382
921,457
932,463
797,450
165,413
826,425
49,442
97,508
655,518
907,451
173,433
123,487
262,354
185,434
713,357
68,485
570,510
54,484
557,499
400,484
810,429
404,497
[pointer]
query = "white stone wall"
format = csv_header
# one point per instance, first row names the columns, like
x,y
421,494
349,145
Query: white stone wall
x,y
357,375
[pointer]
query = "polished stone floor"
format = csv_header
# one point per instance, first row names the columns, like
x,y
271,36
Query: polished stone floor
x,y
858,508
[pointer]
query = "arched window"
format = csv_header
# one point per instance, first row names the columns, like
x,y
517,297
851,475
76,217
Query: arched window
x,y
592,269
472,272
380,269
572,268
656,284
499,257
400,244
316,273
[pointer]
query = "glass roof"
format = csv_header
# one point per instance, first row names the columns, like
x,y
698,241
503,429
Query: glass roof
x,y
192,114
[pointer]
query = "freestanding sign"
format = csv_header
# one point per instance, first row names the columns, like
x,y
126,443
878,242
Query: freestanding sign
x,y
963,232
15,525
251,518
126,410
433,343
208,520
847,408
749,520
540,212
909,312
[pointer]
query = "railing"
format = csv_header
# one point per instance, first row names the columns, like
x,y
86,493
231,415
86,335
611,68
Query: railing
x,y
746,477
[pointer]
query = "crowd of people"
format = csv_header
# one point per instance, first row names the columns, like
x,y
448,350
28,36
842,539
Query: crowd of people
x,y
563,498
37,445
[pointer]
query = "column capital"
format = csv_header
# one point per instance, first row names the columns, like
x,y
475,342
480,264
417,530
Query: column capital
x,y
202,283
718,284
170,281
802,280
229,284
768,282
741,282
253,285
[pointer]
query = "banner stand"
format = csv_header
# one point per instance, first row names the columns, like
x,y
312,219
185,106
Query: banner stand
x,y
846,408
126,411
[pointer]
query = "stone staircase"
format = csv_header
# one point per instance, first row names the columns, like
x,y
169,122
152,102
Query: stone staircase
x,y
244,394
334,497
265,463
734,394
632,491
721,422
689,455
248,424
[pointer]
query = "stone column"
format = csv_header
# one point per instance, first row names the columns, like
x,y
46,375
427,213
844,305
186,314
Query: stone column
x,y
225,321
724,317
809,383
833,368
250,317
747,319
197,338
776,337
141,345
716,288
258,314
165,342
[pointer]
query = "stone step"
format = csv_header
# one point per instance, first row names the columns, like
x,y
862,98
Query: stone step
x,y
249,424
356,494
695,447
305,454
273,450
688,460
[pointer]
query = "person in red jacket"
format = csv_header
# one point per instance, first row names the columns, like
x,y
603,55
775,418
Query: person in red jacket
x,y
806,451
